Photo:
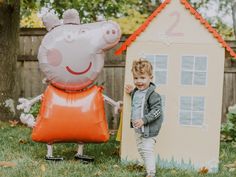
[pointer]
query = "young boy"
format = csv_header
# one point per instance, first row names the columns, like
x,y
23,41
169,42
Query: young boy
x,y
146,112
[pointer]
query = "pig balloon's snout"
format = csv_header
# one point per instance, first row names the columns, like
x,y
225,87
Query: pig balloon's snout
x,y
111,32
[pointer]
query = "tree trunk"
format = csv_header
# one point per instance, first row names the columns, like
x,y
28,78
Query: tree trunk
x,y
234,17
9,44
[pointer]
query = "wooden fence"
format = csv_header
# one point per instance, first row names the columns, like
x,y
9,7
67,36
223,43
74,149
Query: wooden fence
x,y
112,76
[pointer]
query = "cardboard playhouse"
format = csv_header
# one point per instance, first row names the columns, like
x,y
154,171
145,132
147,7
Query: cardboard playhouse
x,y
188,59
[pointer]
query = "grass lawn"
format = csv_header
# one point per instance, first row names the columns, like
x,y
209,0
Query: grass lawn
x,y
27,159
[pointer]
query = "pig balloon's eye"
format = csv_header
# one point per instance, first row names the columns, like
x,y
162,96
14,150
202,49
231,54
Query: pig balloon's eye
x,y
84,30
54,57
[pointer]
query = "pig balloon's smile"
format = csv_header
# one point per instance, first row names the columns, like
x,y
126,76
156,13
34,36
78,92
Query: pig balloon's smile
x,y
79,72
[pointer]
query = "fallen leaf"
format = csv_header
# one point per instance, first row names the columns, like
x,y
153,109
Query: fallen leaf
x,y
173,171
98,173
43,169
7,164
116,151
21,141
115,166
203,170
135,167
13,123
232,165
232,169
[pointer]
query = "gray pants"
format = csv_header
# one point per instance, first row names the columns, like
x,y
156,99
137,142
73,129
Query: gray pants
x,y
146,151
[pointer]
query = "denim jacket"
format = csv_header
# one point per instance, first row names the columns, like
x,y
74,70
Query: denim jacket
x,y
153,116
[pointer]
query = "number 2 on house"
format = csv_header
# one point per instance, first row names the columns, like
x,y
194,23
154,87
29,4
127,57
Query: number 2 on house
x,y
171,30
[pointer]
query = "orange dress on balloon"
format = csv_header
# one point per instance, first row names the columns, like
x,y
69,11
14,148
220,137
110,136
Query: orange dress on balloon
x,y
71,117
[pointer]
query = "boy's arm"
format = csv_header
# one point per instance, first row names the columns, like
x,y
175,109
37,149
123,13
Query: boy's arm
x,y
155,108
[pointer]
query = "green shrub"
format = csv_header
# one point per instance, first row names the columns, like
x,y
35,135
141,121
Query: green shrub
x,y
34,110
228,129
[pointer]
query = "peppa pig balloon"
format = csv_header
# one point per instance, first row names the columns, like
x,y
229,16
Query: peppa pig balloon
x,y
71,56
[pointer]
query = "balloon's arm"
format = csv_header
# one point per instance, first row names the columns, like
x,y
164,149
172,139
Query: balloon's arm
x,y
27,119
110,101
116,105
36,99
26,104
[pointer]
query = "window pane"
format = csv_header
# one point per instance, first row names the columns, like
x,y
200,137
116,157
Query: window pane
x,y
160,77
161,62
201,63
198,103
186,78
151,58
185,103
197,118
199,78
185,118
187,62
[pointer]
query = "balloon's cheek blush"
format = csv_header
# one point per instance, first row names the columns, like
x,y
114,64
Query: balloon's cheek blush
x,y
54,57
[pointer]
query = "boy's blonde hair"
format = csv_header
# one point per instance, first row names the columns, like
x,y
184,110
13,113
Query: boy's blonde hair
x,y
142,66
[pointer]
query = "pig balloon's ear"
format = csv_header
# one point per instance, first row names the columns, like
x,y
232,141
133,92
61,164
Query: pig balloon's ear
x,y
50,21
71,16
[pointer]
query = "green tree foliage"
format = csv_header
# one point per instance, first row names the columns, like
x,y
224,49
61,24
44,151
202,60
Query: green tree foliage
x,y
131,22
229,6
199,4
228,129
130,14
89,10
225,7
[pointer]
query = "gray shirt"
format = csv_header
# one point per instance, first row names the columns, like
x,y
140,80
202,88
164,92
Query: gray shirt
x,y
138,105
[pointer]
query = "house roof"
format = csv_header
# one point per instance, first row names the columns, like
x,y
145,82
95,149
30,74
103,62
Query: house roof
x,y
188,7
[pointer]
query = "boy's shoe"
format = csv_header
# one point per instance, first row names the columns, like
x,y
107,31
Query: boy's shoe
x,y
84,158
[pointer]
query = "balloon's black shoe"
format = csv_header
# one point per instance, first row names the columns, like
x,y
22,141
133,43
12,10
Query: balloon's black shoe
x,y
54,158
84,158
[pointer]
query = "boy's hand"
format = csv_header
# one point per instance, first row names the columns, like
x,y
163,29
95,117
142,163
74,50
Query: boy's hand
x,y
138,123
129,88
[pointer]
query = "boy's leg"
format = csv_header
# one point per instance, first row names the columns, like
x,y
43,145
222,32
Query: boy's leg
x,y
139,144
149,155
146,150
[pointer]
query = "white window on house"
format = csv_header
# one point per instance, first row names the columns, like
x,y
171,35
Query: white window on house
x,y
159,63
191,111
194,70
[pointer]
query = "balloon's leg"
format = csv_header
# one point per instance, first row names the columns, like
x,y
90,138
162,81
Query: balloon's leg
x,y
49,155
79,155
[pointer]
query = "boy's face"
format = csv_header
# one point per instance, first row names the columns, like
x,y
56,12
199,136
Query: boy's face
x,y
142,81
